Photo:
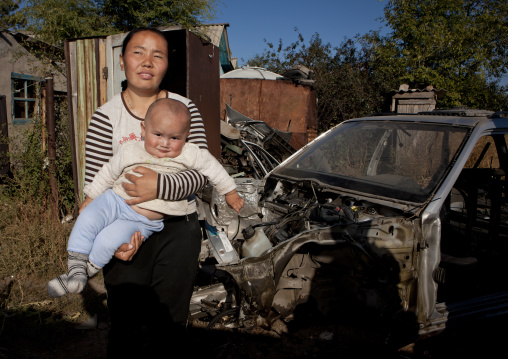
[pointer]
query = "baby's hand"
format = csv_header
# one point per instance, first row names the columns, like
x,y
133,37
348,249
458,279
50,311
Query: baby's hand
x,y
234,200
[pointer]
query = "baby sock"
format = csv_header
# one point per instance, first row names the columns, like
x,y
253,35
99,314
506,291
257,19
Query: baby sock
x,y
92,268
74,280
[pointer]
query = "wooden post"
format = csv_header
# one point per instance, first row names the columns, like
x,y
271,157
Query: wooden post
x,y
50,123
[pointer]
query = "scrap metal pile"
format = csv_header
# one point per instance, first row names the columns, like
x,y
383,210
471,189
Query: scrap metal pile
x,y
252,148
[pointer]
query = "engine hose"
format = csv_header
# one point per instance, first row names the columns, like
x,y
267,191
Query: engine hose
x,y
217,317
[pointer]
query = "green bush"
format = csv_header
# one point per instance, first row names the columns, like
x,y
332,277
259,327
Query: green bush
x,y
30,179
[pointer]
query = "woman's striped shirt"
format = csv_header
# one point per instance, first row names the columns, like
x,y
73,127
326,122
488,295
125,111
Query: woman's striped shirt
x,y
113,124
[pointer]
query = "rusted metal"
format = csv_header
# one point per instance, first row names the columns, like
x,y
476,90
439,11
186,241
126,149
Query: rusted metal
x,y
204,86
280,104
50,123
193,72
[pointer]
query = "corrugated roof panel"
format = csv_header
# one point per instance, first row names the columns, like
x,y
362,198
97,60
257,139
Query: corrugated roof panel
x,y
246,72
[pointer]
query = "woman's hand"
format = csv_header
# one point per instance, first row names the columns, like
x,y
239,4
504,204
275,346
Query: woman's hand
x,y
85,203
143,188
127,250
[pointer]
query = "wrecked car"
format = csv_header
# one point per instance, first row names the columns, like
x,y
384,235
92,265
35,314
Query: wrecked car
x,y
403,215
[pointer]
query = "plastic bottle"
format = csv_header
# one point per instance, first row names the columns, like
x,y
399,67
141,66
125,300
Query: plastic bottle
x,y
256,242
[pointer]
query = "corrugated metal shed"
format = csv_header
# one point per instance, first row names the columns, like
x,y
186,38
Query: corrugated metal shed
x,y
281,104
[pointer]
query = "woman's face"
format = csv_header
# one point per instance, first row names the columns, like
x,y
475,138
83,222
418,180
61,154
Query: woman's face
x,y
145,61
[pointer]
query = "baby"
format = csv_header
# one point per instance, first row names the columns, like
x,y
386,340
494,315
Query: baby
x,y
106,221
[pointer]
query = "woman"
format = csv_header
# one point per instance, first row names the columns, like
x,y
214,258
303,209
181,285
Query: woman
x,y
149,294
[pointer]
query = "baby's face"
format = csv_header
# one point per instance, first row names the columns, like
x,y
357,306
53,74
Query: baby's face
x,y
164,137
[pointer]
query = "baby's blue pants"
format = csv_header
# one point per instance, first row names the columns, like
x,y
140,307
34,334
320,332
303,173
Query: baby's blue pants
x,y
105,224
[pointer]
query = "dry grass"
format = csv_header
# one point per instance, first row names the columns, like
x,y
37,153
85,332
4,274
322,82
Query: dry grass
x,y
33,244
33,250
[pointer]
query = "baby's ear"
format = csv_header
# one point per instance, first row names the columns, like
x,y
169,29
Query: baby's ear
x,y
142,124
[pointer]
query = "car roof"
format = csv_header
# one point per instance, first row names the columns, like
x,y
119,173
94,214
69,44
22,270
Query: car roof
x,y
458,116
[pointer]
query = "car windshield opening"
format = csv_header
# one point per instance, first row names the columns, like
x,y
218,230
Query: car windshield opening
x,y
395,159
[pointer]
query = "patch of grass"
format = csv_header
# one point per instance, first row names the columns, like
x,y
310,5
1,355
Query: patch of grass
x,y
33,243
32,324
33,251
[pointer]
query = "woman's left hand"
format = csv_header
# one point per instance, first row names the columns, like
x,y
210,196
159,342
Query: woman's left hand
x,y
127,250
143,188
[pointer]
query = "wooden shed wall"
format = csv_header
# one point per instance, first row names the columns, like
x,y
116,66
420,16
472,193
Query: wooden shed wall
x,y
86,92
414,102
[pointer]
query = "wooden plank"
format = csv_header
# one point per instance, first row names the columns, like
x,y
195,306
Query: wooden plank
x,y
73,93
90,79
86,89
103,98
80,113
415,95
416,101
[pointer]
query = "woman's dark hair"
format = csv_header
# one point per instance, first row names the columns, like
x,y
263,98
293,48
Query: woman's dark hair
x,y
140,29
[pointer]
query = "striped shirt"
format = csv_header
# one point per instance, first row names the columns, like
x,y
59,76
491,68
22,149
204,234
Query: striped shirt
x,y
113,125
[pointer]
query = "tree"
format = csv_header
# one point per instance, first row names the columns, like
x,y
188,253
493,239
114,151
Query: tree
x,y
347,81
125,15
458,45
8,16
53,21
278,58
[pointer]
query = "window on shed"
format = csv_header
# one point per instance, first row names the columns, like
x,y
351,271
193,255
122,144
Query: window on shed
x,y
25,91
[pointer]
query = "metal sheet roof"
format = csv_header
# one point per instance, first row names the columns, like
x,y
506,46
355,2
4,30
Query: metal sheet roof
x,y
246,72
404,89
213,32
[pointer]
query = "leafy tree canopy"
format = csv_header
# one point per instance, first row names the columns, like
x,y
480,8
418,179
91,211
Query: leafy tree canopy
x,y
457,45
55,20
52,21
347,81
8,16
125,15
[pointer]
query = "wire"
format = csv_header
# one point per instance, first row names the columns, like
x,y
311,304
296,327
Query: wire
x,y
232,311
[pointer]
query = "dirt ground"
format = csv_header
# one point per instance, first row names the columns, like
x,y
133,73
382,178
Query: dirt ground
x,y
81,331
313,342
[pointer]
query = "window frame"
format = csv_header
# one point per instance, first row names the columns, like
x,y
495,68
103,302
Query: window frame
x,y
26,100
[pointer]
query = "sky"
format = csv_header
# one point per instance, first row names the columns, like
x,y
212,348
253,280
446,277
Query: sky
x,y
250,22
